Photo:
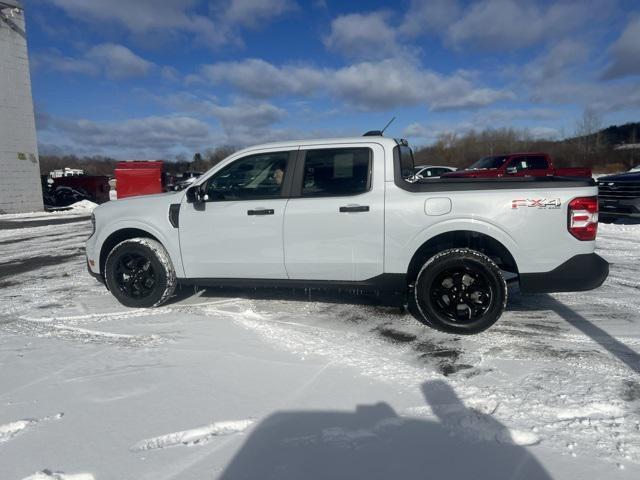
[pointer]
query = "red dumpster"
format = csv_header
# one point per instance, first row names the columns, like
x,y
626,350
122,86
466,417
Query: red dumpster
x,y
138,178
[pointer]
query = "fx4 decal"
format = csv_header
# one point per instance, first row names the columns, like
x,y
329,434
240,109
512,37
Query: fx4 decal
x,y
544,203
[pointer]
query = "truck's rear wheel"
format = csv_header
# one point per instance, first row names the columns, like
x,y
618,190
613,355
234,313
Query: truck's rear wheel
x,y
139,273
460,291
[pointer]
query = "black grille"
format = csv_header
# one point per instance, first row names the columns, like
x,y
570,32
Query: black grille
x,y
619,189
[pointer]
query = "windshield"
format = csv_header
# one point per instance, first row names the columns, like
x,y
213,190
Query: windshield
x,y
489,162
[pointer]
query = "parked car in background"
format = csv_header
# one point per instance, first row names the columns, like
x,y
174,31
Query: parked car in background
x,y
185,180
432,171
62,188
619,196
518,165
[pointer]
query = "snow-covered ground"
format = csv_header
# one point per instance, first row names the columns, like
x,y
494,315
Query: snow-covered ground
x,y
227,384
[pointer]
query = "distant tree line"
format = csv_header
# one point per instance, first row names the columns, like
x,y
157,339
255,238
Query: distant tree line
x,y
591,146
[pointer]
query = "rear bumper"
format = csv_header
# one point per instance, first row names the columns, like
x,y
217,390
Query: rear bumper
x,y
579,273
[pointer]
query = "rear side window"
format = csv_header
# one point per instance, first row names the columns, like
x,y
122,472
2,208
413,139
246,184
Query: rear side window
x,y
519,163
336,172
537,162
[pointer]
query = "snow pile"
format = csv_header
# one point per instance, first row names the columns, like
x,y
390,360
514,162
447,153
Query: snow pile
x,y
83,206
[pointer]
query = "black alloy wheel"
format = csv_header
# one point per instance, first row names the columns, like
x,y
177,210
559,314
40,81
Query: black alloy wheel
x,y
460,291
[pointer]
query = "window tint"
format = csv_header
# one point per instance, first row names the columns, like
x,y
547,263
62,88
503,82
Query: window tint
x,y
253,177
519,163
489,162
404,154
339,171
436,172
537,162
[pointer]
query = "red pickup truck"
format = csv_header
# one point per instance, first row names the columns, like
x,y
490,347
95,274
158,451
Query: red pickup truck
x,y
517,165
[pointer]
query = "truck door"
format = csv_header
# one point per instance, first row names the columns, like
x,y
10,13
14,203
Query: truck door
x,y
237,231
334,221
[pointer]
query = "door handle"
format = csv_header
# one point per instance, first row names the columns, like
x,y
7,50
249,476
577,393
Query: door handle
x,y
354,208
261,211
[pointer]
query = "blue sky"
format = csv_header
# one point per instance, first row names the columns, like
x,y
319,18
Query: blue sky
x,y
158,78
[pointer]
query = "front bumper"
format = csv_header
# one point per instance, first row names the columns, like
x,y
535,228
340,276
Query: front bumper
x,y
95,275
619,207
579,273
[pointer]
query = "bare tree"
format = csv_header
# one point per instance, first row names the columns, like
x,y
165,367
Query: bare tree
x,y
588,133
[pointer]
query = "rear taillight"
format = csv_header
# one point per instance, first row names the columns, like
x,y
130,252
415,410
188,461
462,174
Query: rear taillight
x,y
583,218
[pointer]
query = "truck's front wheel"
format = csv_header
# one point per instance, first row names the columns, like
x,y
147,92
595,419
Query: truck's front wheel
x,y
139,273
460,291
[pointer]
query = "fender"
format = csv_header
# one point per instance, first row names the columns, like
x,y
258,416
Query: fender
x,y
170,243
450,225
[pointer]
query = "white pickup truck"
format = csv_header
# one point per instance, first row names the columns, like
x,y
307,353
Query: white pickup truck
x,y
348,214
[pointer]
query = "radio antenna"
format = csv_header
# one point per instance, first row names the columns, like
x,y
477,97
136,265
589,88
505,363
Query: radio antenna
x,y
385,127
378,133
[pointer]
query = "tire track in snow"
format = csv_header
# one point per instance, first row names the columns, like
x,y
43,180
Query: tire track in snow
x,y
11,430
195,436
50,475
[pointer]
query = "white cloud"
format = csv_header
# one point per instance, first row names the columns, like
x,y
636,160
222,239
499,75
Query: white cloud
x,y
362,36
558,62
107,59
118,61
429,16
378,85
420,133
625,53
246,122
243,122
173,17
261,79
505,117
144,138
513,24
54,60
251,13
544,133
145,16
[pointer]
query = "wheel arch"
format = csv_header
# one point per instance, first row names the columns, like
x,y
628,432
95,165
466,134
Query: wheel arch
x,y
473,240
118,236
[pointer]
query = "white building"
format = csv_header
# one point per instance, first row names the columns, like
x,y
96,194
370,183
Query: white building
x,y
20,187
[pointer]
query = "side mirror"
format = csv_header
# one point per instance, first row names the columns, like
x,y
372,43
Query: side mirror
x,y
512,170
196,195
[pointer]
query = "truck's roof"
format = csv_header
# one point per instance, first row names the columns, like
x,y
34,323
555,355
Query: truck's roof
x,y
387,141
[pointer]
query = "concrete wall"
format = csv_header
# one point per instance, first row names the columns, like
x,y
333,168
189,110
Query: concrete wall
x,y
20,188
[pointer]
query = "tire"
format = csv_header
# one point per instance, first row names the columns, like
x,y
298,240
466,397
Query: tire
x,y
460,291
139,273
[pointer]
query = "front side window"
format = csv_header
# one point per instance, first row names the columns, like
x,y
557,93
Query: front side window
x,y
489,162
336,172
254,177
